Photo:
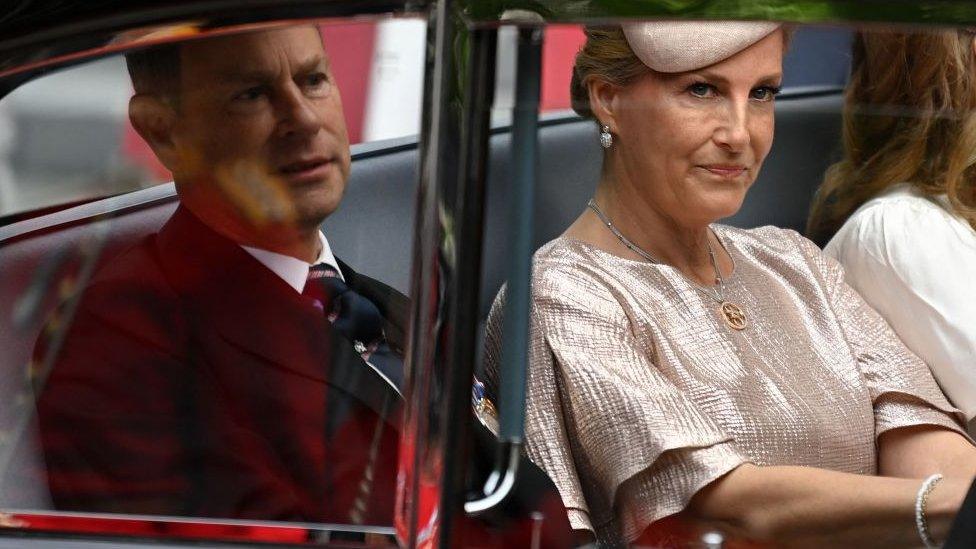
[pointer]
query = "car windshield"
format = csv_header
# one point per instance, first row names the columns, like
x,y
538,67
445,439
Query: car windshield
x,y
271,282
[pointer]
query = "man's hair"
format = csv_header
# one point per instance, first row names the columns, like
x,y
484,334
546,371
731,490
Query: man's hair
x,y
156,70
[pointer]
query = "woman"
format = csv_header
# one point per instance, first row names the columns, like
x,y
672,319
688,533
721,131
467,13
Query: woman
x,y
707,375
904,196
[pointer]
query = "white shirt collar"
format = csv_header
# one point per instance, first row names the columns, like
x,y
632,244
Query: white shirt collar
x,y
292,270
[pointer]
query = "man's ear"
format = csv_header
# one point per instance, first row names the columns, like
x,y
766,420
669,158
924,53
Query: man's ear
x,y
604,102
154,119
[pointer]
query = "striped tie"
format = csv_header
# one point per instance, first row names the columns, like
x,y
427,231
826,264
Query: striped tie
x,y
355,317
359,320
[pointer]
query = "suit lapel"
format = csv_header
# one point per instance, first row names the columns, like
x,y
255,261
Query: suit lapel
x,y
358,383
394,306
251,308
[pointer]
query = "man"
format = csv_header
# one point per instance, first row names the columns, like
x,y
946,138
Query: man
x,y
230,365
196,378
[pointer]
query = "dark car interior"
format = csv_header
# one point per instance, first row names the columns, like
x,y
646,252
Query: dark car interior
x,y
65,245
48,255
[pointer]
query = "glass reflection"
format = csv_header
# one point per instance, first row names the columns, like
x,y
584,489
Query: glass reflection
x,y
230,365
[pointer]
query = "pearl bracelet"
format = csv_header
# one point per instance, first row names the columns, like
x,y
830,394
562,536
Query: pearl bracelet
x,y
921,501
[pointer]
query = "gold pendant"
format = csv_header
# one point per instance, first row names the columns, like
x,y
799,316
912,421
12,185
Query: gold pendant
x,y
733,315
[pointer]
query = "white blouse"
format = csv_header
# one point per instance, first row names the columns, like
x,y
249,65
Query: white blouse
x,y
915,263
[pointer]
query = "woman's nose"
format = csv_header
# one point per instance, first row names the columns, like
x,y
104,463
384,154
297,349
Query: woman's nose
x,y
733,131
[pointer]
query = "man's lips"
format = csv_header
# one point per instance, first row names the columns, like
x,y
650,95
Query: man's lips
x,y
305,170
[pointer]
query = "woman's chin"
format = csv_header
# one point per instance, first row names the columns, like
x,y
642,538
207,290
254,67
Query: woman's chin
x,y
728,212
717,210
711,202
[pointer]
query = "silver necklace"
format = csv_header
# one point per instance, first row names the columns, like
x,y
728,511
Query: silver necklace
x,y
733,314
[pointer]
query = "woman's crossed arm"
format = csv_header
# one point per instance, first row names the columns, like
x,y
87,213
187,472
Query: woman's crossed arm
x,y
803,506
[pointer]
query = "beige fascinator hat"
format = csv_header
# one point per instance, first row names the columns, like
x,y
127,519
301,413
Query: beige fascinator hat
x,y
679,46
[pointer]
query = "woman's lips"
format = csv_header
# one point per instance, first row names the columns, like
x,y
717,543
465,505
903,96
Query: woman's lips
x,y
725,171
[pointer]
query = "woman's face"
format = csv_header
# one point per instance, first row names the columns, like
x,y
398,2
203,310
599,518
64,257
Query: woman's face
x,y
692,143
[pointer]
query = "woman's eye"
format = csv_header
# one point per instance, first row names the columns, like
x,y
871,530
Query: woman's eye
x,y
701,89
765,93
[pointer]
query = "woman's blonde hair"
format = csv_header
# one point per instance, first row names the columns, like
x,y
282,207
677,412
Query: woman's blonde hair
x,y
909,116
606,56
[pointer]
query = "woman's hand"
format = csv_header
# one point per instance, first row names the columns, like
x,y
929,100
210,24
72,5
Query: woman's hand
x,y
944,502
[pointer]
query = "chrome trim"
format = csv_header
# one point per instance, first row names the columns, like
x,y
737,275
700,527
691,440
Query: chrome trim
x,y
499,485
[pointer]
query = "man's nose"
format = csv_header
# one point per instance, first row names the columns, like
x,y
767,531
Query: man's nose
x,y
732,133
297,114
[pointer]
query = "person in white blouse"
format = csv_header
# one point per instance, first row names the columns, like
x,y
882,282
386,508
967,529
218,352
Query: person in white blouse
x,y
901,205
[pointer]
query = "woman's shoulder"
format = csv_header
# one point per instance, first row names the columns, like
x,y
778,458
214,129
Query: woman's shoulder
x,y
902,218
567,283
767,239
568,273
566,262
902,202
781,250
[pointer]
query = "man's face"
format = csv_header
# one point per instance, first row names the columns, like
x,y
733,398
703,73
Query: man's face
x,y
260,121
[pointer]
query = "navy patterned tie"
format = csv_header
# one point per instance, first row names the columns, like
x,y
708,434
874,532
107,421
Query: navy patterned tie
x,y
355,317
358,320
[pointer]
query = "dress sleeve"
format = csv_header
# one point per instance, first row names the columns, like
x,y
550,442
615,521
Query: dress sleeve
x,y
624,446
920,282
902,388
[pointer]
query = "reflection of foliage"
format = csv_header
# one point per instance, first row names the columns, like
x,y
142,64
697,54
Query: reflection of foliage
x,y
809,11
461,51
675,7
498,7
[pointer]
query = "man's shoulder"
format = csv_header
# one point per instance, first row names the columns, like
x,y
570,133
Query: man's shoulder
x,y
375,289
134,271
126,301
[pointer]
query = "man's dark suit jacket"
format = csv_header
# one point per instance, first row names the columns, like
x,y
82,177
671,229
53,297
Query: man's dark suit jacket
x,y
194,381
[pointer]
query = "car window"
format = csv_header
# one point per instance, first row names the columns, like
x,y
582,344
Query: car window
x,y
168,352
61,147
846,153
819,56
65,137
223,336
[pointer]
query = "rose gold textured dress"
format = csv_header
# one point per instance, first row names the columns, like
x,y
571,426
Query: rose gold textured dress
x,y
640,394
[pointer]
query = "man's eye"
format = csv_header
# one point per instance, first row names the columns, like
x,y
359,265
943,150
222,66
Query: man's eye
x,y
250,94
701,89
765,93
316,80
